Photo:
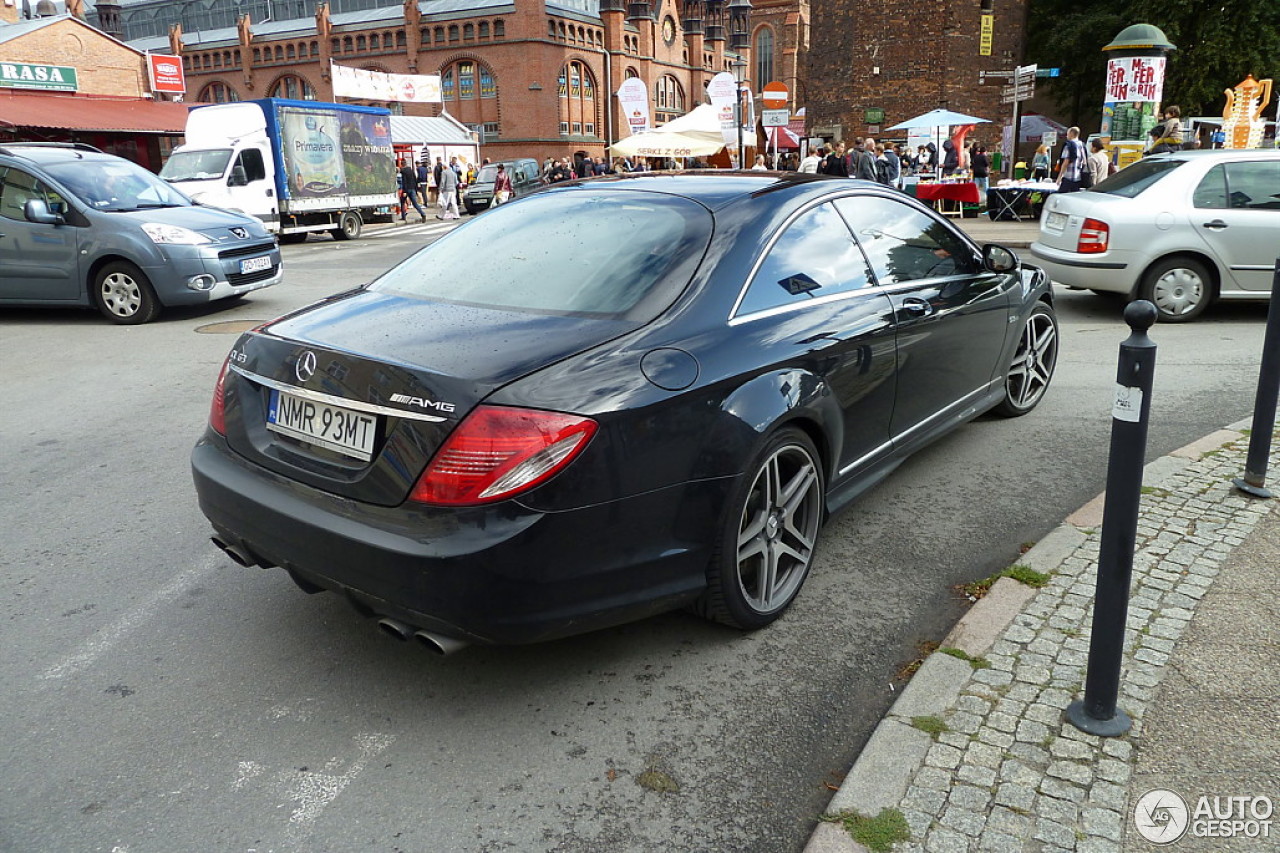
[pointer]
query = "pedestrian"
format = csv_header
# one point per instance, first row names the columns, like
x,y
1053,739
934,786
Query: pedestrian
x,y
950,158
424,179
893,167
1099,164
834,162
502,189
1071,164
435,173
409,191
863,160
448,194
559,173
1040,163
759,165
981,170
809,165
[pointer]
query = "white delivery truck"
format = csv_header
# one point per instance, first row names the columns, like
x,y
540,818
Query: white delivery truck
x,y
299,166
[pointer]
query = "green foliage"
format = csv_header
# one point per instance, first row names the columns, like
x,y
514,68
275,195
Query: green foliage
x,y
976,663
1218,43
877,833
930,725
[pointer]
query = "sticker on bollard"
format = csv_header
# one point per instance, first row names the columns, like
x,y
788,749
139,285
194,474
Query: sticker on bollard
x,y
1128,404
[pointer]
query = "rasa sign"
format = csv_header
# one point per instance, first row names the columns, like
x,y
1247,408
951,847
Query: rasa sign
x,y
25,75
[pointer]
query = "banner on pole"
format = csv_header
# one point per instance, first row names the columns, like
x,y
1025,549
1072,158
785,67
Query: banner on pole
x,y
723,90
633,97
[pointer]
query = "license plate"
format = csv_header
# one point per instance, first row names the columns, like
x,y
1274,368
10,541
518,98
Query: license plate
x,y
1056,221
255,264
347,432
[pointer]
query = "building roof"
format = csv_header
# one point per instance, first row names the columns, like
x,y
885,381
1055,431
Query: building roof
x,y
429,130
10,31
91,112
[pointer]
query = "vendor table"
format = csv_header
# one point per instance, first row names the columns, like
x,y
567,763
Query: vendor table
x,y
1018,202
961,192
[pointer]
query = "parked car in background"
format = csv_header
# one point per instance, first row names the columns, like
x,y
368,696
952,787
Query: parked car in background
x,y
80,227
1182,229
524,180
646,393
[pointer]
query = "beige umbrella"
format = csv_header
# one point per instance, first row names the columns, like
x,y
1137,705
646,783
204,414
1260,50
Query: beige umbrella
x,y
695,134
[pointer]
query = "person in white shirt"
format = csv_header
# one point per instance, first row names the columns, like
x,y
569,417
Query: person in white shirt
x,y
1099,164
759,166
810,163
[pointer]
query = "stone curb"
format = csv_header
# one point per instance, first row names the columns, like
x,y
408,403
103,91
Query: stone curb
x,y
896,750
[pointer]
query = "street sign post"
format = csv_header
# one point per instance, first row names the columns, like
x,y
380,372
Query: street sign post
x,y
774,96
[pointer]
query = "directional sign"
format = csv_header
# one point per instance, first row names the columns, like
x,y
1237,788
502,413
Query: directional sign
x,y
775,118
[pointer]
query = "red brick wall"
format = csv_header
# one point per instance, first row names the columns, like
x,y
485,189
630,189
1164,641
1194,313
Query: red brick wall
x,y
927,56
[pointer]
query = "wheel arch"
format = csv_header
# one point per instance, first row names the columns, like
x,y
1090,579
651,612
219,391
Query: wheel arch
x,y
95,267
1194,254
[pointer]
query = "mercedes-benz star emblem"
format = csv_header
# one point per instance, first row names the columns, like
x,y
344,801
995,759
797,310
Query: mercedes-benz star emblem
x,y
306,366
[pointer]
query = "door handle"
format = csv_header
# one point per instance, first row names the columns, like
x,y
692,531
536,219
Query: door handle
x,y
1215,225
917,306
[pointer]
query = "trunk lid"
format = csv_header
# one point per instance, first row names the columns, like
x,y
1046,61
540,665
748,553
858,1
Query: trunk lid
x,y
354,395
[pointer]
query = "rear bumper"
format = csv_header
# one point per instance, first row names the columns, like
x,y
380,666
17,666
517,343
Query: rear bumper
x,y
497,575
1105,272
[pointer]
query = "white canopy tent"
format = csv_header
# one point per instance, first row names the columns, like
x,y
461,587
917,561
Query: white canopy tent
x,y
695,134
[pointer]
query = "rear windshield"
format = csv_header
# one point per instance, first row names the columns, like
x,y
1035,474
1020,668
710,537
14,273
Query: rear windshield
x,y
618,255
1131,180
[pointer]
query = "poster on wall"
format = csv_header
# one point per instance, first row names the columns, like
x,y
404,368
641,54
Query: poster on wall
x,y
1135,85
368,85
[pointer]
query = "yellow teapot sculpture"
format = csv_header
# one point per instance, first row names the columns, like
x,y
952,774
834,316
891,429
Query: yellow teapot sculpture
x,y
1242,119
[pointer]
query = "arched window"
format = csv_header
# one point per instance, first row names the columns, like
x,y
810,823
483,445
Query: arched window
x,y
218,93
453,32
289,53
578,108
763,53
499,29
292,86
375,42
484,29
669,98
468,32
362,43
470,94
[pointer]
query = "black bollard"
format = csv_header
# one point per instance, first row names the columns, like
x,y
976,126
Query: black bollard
x,y
1264,405
1097,714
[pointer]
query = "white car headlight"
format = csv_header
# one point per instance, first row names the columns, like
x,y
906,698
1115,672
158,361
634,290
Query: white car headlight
x,y
174,234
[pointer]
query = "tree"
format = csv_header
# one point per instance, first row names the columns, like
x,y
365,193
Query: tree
x,y
1218,41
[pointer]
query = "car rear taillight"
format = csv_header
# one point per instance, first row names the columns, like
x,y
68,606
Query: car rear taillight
x,y
497,452
217,409
1094,236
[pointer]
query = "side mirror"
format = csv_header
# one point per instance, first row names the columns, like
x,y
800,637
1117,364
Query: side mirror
x,y
999,259
36,210
239,177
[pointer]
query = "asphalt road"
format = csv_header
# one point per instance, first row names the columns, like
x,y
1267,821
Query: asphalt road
x,y
157,698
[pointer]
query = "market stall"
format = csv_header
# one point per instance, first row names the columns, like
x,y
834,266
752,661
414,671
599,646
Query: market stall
x,y
1019,200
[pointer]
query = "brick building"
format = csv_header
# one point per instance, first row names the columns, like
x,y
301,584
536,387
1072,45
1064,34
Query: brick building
x,y
62,80
905,58
534,77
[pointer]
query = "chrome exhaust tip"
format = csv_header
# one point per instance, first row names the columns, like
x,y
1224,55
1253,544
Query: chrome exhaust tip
x,y
395,628
440,644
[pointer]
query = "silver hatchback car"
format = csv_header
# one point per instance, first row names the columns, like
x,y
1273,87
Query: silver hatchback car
x,y
1181,229
80,227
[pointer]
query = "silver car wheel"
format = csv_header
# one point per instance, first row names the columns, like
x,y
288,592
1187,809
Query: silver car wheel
x,y
779,528
121,294
1178,291
1034,361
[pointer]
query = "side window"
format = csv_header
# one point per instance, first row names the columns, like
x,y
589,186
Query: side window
x,y
254,167
1211,192
904,244
1254,186
18,187
814,257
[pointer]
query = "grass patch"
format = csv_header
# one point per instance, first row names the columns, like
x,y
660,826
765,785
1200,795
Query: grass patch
x,y
932,726
1155,490
877,833
976,663
1020,573
910,668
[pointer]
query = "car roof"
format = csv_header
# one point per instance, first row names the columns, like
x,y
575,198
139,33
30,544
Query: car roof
x,y
713,188
1222,154
54,152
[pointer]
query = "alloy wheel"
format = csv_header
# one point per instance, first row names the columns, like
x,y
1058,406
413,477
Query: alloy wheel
x,y
778,529
1034,361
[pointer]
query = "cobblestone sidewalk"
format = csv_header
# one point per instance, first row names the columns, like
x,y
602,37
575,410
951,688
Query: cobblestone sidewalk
x,y
1007,774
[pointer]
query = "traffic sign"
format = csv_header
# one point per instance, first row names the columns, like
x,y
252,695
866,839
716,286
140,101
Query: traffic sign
x,y
775,118
774,95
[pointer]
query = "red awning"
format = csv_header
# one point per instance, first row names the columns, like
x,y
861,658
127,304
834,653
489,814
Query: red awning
x,y
781,137
91,112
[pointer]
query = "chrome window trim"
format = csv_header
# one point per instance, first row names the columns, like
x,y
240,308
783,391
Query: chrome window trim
x,y
341,402
796,306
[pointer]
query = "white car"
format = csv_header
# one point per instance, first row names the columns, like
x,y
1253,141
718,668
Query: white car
x,y
1181,229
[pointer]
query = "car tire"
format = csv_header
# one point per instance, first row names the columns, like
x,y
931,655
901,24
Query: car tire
x,y
768,534
349,225
1181,288
124,295
1034,360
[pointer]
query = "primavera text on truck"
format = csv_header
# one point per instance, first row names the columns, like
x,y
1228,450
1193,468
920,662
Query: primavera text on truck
x,y
299,166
